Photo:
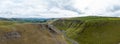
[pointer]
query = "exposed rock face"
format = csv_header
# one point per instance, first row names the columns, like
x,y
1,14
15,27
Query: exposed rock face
x,y
30,34
12,35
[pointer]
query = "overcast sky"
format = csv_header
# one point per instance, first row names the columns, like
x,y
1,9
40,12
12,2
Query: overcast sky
x,y
58,8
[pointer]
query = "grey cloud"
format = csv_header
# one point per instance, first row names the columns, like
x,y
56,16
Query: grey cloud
x,y
63,4
115,8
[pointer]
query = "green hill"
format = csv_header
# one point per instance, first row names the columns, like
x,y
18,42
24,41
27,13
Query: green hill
x,y
84,30
23,33
91,30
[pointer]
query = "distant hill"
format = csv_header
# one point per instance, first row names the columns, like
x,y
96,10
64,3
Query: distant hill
x,y
23,20
91,29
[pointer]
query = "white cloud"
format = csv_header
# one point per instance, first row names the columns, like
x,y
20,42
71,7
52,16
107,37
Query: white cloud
x,y
58,8
36,8
97,7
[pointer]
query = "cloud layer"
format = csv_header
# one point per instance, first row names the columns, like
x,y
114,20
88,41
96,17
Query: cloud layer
x,y
98,7
58,8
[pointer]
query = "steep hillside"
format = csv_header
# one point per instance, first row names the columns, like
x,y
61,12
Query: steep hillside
x,y
18,33
91,30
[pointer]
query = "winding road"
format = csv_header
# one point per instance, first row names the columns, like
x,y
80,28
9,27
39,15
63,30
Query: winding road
x,y
57,31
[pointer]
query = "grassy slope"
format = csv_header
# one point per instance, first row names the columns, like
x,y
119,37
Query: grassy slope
x,y
91,30
28,34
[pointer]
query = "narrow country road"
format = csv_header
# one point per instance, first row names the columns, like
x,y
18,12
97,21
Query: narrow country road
x,y
56,30
71,40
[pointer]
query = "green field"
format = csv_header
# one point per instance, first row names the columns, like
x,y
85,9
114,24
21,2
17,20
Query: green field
x,y
91,29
